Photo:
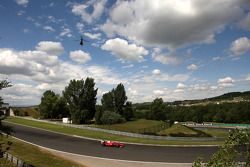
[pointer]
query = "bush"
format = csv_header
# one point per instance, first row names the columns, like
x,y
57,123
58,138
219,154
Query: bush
x,y
109,117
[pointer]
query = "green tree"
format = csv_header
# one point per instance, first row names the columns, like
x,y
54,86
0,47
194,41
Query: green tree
x,y
48,104
157,109
108,102
60,109
120,98
3,84
90,98
128,112
110,117
228,153
81,98
98,115
116,101
3,128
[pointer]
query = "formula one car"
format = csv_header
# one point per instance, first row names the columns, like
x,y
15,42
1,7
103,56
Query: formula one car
x,y
109,143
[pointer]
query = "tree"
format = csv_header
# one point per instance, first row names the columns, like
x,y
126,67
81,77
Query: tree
x,y
90,97
128,112
61,109
228,153
3,128
47,106
108,101
109,117
3,84
120,98
115,101
81,98
157,109
98,115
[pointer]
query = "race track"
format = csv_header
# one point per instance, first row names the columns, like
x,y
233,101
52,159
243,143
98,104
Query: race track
x,y
93,148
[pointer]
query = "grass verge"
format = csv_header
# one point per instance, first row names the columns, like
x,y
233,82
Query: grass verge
x,y
132,126
215,132
5,163
34,155
105,136
183,131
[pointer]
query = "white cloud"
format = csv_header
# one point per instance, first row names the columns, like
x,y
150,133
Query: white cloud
x,y
240,46
156,72
80,56
122,49
247,77
22,2
21,12
80,27
45,71
65,32
81,10
181,86
54,48
49,28
225,82
216,58
245,22
132,92
26,30
93,36
192,67
158,92
171,23
166,59
128,66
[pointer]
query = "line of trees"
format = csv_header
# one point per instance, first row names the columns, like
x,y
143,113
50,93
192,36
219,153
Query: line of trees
x,y
78,101
115,107
223,112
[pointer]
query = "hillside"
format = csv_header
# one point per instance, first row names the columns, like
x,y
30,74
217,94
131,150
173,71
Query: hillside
x,y
227,97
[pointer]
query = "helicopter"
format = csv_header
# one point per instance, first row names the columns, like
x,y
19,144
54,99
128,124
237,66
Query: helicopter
x,y
82,41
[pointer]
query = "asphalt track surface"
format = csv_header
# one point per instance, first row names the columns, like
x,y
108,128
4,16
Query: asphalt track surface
x,y
93,148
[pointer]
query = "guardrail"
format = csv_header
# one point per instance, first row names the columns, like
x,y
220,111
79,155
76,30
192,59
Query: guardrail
x,y
129,134
16,161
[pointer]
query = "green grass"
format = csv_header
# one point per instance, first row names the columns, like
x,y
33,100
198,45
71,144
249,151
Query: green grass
x,y
104,136
183,131
132,126
5,163
34,155
215,132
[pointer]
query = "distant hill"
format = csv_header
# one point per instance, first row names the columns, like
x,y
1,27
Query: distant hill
x,y
227,97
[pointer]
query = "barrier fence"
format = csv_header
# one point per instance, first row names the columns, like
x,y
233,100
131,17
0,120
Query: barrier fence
x,y
16,161
141,134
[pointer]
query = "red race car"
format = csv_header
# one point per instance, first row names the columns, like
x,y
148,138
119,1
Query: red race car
x,y
112,144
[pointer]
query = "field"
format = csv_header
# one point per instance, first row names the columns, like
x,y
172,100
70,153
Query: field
x,y
133,126
106,136
183,131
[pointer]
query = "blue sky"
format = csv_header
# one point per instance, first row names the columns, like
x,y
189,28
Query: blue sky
x,y
182,49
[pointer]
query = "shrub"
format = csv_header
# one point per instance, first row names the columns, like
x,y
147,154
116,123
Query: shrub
x,y
109,117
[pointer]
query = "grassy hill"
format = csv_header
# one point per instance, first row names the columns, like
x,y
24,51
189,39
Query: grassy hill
x,y
26,111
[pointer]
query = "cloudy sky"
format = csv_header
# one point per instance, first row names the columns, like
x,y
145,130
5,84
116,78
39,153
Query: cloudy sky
x,y
182,49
